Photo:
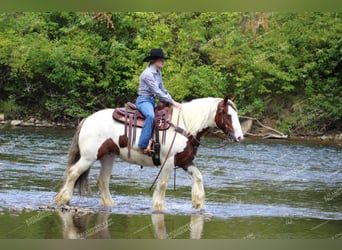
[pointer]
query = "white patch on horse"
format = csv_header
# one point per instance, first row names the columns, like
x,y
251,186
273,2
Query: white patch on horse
x,y
238,134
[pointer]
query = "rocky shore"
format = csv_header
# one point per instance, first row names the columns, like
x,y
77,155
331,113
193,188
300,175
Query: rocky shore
x,y
33,122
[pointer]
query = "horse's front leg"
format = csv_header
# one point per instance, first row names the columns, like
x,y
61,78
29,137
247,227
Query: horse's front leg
x,y
197,191
158,200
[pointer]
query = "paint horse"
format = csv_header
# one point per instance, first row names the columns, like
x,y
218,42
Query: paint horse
x,y
97,138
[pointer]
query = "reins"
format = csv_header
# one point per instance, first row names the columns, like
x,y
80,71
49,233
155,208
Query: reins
x,y
167,155
188,135
213,147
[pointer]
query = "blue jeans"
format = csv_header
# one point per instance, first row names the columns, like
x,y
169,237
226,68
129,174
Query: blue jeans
x,y
146,104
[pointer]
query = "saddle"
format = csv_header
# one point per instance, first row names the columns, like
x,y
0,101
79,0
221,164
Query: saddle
x,y
126,114
132,118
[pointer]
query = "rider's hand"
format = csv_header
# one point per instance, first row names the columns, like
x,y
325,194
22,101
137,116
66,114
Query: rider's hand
x,y
177,104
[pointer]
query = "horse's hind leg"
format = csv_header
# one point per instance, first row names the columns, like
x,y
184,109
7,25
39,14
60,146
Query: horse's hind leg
x,y
72,174
103,180
197,191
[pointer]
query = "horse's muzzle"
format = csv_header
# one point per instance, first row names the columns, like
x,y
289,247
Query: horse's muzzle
x,y
235,138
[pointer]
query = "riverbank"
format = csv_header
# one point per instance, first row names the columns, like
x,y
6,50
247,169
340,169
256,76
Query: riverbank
x,y
248,129
34,122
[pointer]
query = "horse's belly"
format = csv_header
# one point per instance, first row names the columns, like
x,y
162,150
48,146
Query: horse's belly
x,y
136,157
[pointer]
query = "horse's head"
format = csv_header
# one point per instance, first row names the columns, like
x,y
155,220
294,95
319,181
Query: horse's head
x,y
227,119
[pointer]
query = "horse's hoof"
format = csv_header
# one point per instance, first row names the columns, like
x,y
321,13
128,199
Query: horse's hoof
x,y
158,208
59,200
107,203
62,199
197,206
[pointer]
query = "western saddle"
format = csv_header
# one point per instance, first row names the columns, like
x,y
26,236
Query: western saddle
x,y
132,118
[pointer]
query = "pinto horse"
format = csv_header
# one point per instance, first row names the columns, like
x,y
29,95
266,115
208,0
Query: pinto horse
x,y
97,138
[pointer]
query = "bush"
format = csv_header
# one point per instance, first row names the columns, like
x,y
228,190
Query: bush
x,y
10,109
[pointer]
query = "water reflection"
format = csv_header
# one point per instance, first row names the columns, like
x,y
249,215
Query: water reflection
x,y
85,226
195,227
78,226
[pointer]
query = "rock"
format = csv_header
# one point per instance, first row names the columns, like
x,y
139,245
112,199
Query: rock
x,y
43,123
14,209
16,122
338,137
27,124
246,125
2,117
28,208
47,125
31,120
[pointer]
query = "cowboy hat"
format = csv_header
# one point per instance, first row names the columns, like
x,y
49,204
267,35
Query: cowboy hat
x,y
155,54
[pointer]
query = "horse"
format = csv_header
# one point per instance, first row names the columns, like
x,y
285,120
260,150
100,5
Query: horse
x,y
97,138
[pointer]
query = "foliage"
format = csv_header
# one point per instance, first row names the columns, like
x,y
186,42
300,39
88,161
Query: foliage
x,y
67,65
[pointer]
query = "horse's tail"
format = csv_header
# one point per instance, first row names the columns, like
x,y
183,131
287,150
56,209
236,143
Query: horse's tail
x,y
74,156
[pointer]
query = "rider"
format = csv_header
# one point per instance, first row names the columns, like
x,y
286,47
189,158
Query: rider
x,y
151,86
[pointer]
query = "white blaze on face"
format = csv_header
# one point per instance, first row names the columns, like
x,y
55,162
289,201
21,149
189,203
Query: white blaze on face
x,y
236,124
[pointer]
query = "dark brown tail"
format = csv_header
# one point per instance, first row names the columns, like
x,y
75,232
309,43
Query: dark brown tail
x,y
74,156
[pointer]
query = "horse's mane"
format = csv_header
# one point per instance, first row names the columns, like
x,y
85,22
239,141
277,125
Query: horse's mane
x,y
199,114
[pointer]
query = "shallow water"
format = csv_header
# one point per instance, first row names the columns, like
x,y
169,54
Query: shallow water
x,y
254,190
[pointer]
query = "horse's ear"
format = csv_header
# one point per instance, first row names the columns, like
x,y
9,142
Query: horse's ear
x,y
233,98
226,100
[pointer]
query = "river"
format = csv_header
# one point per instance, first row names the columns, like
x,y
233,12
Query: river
x,y
256,189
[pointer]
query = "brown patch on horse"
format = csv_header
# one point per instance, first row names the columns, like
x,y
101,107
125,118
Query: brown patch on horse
x,y
221,118
184,159
108,146
123,141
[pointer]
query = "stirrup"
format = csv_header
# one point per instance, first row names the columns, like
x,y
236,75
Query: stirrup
x,y
148,150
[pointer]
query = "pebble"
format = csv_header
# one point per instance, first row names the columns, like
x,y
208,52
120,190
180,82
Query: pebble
x,y
15,211
28,208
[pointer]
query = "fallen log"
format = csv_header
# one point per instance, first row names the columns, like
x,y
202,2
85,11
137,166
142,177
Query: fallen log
x,y
247,125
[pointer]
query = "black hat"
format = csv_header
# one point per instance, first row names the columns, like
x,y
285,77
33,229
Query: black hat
x,y
155,54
